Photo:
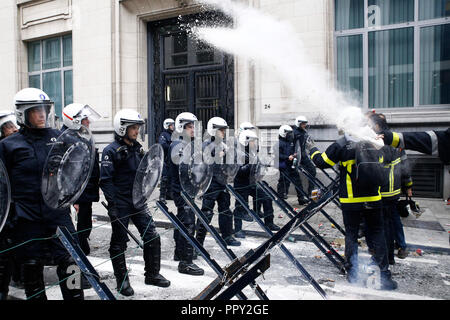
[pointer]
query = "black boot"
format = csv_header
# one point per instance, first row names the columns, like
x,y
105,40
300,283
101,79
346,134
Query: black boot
x,y
64,271
268,221
121,272
5,277
152,259
164,186
386,281
190,268
33,280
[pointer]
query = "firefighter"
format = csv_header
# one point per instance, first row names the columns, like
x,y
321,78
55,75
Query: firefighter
x,y
398,179
359,194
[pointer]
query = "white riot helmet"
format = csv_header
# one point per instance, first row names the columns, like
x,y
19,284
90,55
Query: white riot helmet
x,y
74,113
167,123
284,131
125,118
7,118
29,99
183,119
215,124
246,136
299,120
246,126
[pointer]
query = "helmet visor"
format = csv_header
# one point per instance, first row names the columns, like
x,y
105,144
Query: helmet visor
x,y
40,116
89,113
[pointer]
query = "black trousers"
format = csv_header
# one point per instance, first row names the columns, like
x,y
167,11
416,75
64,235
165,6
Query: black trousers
x,y
388,219
375,228
84,225
284,183
223,199
183,249
260,200
35,241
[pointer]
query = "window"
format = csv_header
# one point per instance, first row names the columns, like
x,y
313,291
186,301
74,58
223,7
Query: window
x,y
183,51
394,53
350,65
50,69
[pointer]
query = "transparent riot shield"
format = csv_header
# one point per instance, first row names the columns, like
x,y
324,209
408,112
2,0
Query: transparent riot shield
x,y
195,171
225,159
148,175
68,168
298,151
259,168
5,195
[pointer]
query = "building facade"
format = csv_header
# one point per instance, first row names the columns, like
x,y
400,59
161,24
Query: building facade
x,y
114,54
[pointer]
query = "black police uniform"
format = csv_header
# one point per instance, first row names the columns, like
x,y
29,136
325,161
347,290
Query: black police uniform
x,y
184,252
24,155
120,162
216,192
360,198
436,143
6,258
90,194
165,139
286,148
246,187
301,136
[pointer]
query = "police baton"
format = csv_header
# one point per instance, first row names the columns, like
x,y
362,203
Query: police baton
x,y
126,229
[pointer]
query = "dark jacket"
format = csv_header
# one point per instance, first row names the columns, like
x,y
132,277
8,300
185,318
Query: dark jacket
x,y
165,139
436,143
118,170
286,148
218,180
243,176
397,171
24,155
359,188
174,167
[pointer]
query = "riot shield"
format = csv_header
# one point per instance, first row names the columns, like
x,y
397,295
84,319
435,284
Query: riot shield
x,y
5,195
260,165
298,151
148,175
195,173
225,159
68,168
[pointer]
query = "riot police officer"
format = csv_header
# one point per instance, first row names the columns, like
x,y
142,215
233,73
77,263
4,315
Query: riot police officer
x,y
217,191
24,155
184,252
165,139
8,124
300,138
8,268
245,187
120,160
74,116
287,158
